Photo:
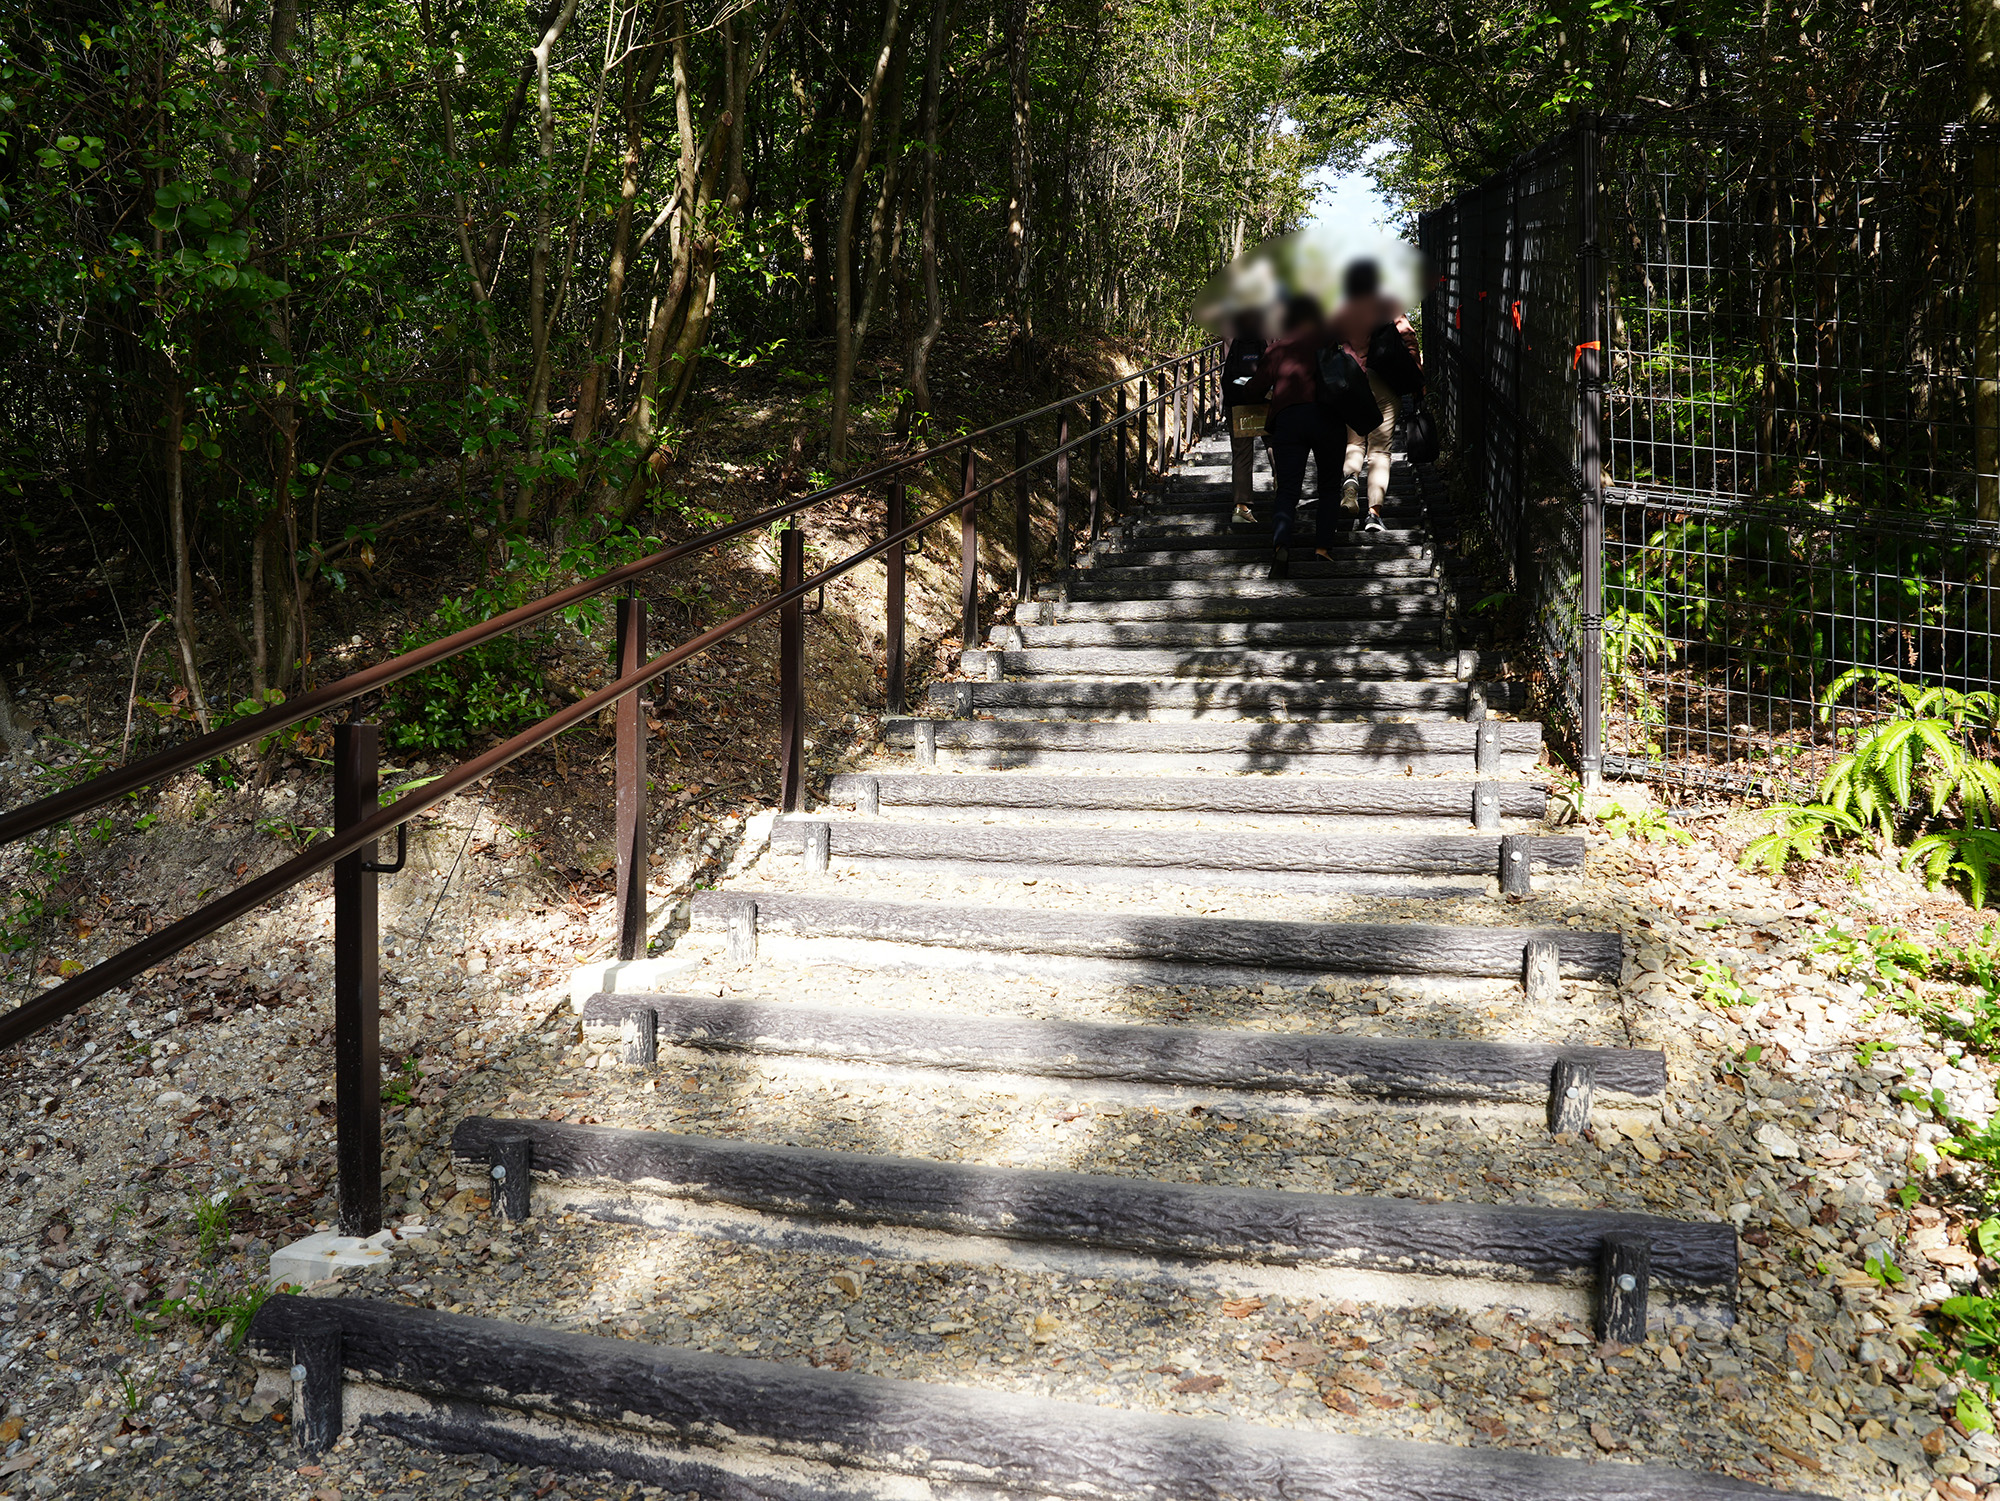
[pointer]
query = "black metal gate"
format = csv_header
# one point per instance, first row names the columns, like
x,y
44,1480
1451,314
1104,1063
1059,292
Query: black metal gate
x,y
1726,397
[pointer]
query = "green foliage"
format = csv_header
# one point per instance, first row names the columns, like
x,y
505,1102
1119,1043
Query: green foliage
x,y
1884,1271
212,1215
1643,823
1902,773
500,685
1720,987
208,1304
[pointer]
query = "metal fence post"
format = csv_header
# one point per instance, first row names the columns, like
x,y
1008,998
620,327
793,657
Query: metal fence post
x,y
1024,561
791,673
968,554
1143,412
1096,464
633,841
357,1050
1590,385
1122,481
892,608
1062,500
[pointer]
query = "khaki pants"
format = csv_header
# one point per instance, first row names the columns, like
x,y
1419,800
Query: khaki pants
x,y
1372,452
1242,465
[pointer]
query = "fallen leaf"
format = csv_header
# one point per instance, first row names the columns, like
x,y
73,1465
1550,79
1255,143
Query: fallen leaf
x,y
1802,1350
838,1356
1241,1308
1340,1401
1293,1354
1359,1381
1198,1383
1491,1427
1803,1461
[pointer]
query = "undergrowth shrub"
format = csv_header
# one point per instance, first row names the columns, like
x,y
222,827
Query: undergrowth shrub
x,y
1920,777
500,685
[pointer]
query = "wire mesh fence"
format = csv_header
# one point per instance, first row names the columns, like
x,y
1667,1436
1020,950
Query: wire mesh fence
x,y
1730,398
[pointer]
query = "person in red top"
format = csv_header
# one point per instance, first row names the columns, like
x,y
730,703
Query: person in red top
x,y
1364,308
1288,378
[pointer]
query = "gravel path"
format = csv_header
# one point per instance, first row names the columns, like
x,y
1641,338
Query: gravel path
x,y
119,1277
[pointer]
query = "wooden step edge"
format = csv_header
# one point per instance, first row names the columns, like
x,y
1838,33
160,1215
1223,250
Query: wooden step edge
x,y
1383,796
731,1426
1202,1221
1319,948
1515,737
1165,851
1315,1064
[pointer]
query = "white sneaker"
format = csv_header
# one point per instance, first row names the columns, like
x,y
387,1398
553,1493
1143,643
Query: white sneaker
x,y
1350,495
1373,523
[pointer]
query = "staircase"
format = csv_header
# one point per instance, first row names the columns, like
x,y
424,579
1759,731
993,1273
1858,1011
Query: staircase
x,y
1181,1011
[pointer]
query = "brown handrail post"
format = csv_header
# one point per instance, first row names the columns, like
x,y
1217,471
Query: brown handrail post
x,y
1024,561
633,826
357,978
1122,480
791,673
1143,412
1096,465
892,608
968,554
1062,503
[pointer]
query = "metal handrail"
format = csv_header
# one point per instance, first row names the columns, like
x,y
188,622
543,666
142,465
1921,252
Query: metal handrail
x,y
109,786
1186,396
1188,375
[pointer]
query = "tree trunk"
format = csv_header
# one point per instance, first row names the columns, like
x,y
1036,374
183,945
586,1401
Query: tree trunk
x,y
540,313
642,74
177,530
845,332
1019,229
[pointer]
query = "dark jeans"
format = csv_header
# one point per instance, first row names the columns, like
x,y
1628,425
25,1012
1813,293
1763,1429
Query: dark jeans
x,y
1294,433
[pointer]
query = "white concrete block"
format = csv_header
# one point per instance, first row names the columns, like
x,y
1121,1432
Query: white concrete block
x,y
329,1253
625,976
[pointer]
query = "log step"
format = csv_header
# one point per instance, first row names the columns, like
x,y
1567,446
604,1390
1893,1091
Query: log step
x,y
1195,633
1316,948
1175,854
1083,586
1364,1068
1206,1222
1242,746
1233,606
1321,664
1277,796
1378,547
1208,698
1114,566
730,1426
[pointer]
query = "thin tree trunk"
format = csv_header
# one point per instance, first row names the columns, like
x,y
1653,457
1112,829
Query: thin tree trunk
x,y
1019,226
540,314
177,530
846,336
642,74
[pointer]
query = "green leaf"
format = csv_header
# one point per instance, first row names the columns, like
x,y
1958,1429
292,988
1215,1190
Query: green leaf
x,y
1972,1414
1988,1234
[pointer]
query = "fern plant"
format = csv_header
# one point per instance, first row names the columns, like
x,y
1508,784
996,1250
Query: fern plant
x,y
1903,773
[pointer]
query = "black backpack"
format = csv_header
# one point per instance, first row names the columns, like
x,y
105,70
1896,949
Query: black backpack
x,y
1420,436
1344,392
1390,360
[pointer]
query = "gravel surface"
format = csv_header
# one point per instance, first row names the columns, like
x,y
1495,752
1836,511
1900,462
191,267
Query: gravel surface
x,y
162,1145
